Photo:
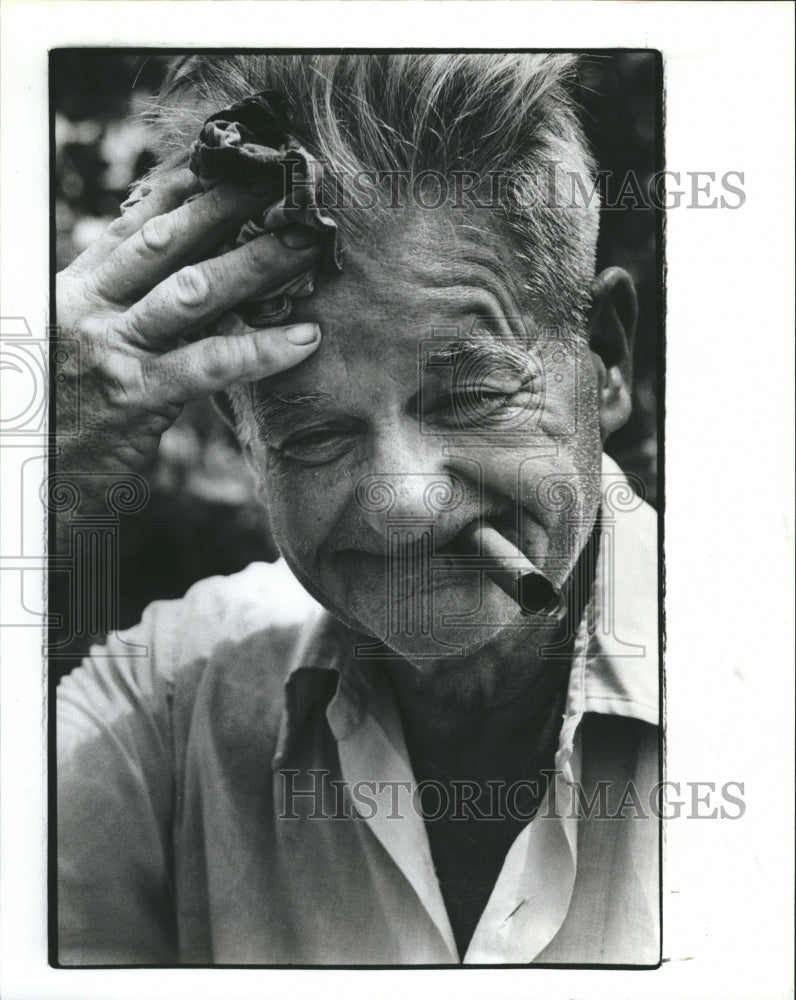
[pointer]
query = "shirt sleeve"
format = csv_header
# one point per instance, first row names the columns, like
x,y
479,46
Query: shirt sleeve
x,y
119,760
115,800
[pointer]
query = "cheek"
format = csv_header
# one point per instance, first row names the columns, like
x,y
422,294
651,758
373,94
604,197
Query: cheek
x,y
567,485
303,505
543,482
547,466
549,480
568,409
562,491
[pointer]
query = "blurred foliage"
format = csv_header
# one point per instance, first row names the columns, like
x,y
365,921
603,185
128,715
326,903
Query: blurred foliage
x,y
203,518
618,97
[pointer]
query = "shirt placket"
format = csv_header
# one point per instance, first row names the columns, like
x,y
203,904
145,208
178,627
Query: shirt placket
x,y
534,890
367,755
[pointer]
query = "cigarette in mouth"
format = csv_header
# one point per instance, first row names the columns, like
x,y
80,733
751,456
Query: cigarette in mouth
x,y
511,570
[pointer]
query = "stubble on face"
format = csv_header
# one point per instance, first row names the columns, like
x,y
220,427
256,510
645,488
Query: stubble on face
x,y
352,411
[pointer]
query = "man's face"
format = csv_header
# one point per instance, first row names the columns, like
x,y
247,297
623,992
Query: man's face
x,y
434,401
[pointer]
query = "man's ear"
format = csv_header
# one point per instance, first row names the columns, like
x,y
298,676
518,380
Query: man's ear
x,y
612,326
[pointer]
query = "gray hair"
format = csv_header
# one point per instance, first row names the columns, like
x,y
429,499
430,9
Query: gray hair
x,y
509,116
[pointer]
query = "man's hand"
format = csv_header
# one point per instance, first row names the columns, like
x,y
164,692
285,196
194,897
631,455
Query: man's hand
x,y
132,296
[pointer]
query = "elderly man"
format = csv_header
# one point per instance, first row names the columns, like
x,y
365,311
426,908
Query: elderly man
x,y
385,748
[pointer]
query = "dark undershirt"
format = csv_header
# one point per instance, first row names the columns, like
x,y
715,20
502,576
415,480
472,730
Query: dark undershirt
x,y
468,853
468,850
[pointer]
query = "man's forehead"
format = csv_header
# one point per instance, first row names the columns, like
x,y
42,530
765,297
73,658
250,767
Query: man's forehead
x,y
423,260
422,287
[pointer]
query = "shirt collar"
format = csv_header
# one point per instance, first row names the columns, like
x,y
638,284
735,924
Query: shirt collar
x,y
621,675
319,654
615,662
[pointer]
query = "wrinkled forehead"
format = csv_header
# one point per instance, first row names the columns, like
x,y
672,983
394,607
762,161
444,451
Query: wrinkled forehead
x,y
410,293
415,272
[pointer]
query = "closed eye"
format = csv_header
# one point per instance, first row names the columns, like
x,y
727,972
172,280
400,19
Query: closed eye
x,y
474,385
318,445
473,406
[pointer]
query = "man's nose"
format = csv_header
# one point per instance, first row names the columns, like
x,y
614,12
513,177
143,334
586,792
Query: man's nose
x,y
409,482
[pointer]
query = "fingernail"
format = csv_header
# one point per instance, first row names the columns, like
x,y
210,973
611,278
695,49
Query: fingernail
x,y
138,194
299,237
302,334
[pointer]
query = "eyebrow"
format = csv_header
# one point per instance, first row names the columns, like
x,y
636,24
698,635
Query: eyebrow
x,y
282,408
488,351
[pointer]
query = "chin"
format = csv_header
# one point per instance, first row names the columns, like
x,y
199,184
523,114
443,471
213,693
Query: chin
x,y
451,622
427,656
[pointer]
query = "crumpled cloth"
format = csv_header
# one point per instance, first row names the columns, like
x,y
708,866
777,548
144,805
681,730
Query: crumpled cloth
x,y
251,142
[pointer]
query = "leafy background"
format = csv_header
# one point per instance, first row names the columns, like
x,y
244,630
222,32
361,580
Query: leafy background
x,y
202,517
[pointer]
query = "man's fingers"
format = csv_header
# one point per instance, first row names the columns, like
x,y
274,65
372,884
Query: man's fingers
x,y
163,195
169,240
213,364
195,295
